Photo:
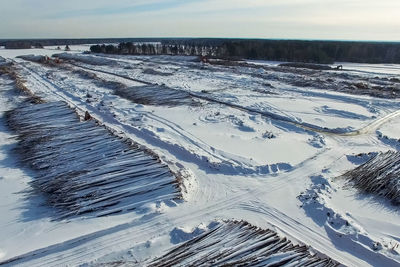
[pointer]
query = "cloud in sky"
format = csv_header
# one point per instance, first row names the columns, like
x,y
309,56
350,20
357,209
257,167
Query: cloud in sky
x,y
304,19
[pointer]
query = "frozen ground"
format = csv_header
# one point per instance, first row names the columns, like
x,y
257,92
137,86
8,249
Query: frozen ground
x,y
264,145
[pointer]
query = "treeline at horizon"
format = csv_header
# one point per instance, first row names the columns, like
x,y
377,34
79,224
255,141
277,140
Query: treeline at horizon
x,y
325,52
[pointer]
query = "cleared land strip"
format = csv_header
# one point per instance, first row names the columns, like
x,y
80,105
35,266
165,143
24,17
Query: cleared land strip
x,y
175,220
307,126
48,87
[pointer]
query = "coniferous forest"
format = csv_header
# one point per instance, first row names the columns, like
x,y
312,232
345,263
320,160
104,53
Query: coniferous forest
x,y
312,51
278,50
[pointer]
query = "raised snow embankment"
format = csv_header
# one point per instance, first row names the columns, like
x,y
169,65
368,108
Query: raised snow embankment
x,y
81,168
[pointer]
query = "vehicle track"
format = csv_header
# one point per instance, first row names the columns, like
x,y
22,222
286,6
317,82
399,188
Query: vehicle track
x,y
121,127
78,251
306,126
83,248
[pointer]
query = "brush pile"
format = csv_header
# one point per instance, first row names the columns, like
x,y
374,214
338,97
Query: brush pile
x,y
81,168
235,243
87,59
306,66
155,95
34,58
151,94
379,176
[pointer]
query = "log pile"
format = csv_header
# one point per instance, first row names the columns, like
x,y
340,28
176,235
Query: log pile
x,y
81,168
379,176
238,243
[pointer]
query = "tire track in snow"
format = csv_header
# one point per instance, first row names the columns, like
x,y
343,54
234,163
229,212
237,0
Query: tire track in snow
x,y
153,226
80,250
306,126
230,165
82,107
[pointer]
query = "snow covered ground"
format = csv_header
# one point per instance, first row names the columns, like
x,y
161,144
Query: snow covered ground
x,y
265,145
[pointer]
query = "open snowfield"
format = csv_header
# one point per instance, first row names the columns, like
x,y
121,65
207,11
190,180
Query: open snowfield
x,y
222,143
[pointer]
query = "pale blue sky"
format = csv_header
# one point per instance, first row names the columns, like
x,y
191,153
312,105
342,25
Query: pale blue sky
x,y
293,19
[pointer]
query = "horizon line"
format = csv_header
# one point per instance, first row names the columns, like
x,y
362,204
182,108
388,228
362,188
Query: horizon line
x,y
216,38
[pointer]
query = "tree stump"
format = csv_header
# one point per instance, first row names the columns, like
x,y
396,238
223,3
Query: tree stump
x,y
87,116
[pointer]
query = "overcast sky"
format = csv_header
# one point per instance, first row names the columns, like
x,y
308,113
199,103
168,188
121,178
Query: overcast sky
x,y
291,19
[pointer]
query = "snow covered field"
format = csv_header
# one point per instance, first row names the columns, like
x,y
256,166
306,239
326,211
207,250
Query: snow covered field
x,y
253,142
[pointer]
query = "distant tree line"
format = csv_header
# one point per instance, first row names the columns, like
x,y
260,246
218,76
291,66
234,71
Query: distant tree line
x,y
63,42
315,51
130,48
18,45
280,50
